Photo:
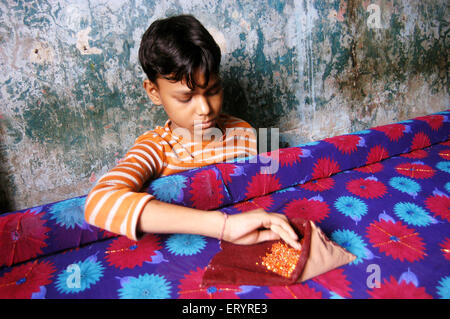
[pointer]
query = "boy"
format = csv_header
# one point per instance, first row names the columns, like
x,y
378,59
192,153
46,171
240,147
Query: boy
x,y
181,61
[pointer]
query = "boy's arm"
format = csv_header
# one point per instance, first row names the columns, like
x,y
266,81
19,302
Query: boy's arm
x,y
247,228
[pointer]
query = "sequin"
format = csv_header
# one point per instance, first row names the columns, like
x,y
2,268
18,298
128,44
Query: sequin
x,y
281,260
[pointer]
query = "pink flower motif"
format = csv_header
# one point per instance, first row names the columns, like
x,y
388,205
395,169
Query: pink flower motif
x,y
394,290
206,190
396,240
439,205
367,188
24,280
22,236
191,288
309,209
299,291
126,253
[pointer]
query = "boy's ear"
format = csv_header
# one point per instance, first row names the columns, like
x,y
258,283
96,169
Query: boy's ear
x,y
152,91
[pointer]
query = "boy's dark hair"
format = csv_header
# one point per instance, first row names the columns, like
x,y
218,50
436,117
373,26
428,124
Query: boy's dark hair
x,y
176,48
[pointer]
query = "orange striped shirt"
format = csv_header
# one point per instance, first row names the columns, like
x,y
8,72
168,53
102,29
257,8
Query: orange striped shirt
x,y
116,202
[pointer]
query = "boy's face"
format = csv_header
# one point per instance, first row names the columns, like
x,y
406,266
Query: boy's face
x,y
194,110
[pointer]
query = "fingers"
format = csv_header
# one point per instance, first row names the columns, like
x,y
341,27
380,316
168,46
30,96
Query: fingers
x,y
282,221
286,236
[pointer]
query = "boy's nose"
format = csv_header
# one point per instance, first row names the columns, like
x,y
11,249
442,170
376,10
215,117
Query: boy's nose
x,y
202,106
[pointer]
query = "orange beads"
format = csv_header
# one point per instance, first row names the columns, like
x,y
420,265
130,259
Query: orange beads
x,y
281,260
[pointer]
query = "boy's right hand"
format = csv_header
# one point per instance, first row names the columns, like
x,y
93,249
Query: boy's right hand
x,y
257,226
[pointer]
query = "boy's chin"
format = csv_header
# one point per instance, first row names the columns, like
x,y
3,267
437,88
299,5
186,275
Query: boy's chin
x,y
207,131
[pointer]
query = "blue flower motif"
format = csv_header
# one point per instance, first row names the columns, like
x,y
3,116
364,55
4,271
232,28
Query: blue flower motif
x,y
146,286
69,213
412,214
169,188
443,289
79,276
405,185
352,242
351,206
447,187
185,244
444,166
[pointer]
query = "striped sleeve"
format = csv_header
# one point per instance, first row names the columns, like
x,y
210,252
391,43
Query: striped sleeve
x,y
115,203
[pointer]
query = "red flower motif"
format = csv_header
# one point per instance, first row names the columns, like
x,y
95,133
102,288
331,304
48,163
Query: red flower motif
x,y
227,170
22,236
415,170
335,281
191,288
319,185
246,206
371,168
446,248
434,121
417,154
126,253
439,205
299,291
309,209
393,131
376,155
367,188
344,143
262,184
394,290
206,190
420,140
445,154
325,167
263,202
24,280
286,156
396,240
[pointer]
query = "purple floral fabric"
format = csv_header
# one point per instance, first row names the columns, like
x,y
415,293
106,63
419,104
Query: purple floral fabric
x,y
383,194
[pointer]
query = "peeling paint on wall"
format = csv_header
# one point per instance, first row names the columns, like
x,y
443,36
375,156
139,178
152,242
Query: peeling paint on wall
x,y
71,85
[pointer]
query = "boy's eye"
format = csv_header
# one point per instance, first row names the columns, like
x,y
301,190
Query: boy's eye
x,y
214,91
185,100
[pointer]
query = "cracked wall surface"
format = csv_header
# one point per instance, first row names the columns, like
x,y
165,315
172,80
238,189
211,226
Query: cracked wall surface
x,y
71,91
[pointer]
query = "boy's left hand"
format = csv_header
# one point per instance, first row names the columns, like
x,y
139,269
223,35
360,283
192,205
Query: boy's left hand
x,y
258,226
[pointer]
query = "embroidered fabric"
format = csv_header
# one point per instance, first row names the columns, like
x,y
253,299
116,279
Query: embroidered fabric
x,y
274,262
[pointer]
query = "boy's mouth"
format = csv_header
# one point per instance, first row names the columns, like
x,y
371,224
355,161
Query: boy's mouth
x,y
204,124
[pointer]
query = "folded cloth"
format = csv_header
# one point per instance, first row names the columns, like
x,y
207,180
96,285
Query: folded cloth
x,y
274,263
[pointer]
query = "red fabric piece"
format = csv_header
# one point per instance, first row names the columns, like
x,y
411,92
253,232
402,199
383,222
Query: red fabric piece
x,y
243,264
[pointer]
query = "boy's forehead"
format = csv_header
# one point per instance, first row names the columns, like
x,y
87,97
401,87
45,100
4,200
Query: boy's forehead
x,y
182,85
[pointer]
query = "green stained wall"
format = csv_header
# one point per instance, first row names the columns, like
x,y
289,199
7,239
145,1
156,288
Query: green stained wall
x,y
71,92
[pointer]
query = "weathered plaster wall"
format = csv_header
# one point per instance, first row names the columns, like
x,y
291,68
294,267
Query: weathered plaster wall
x,y
71,92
